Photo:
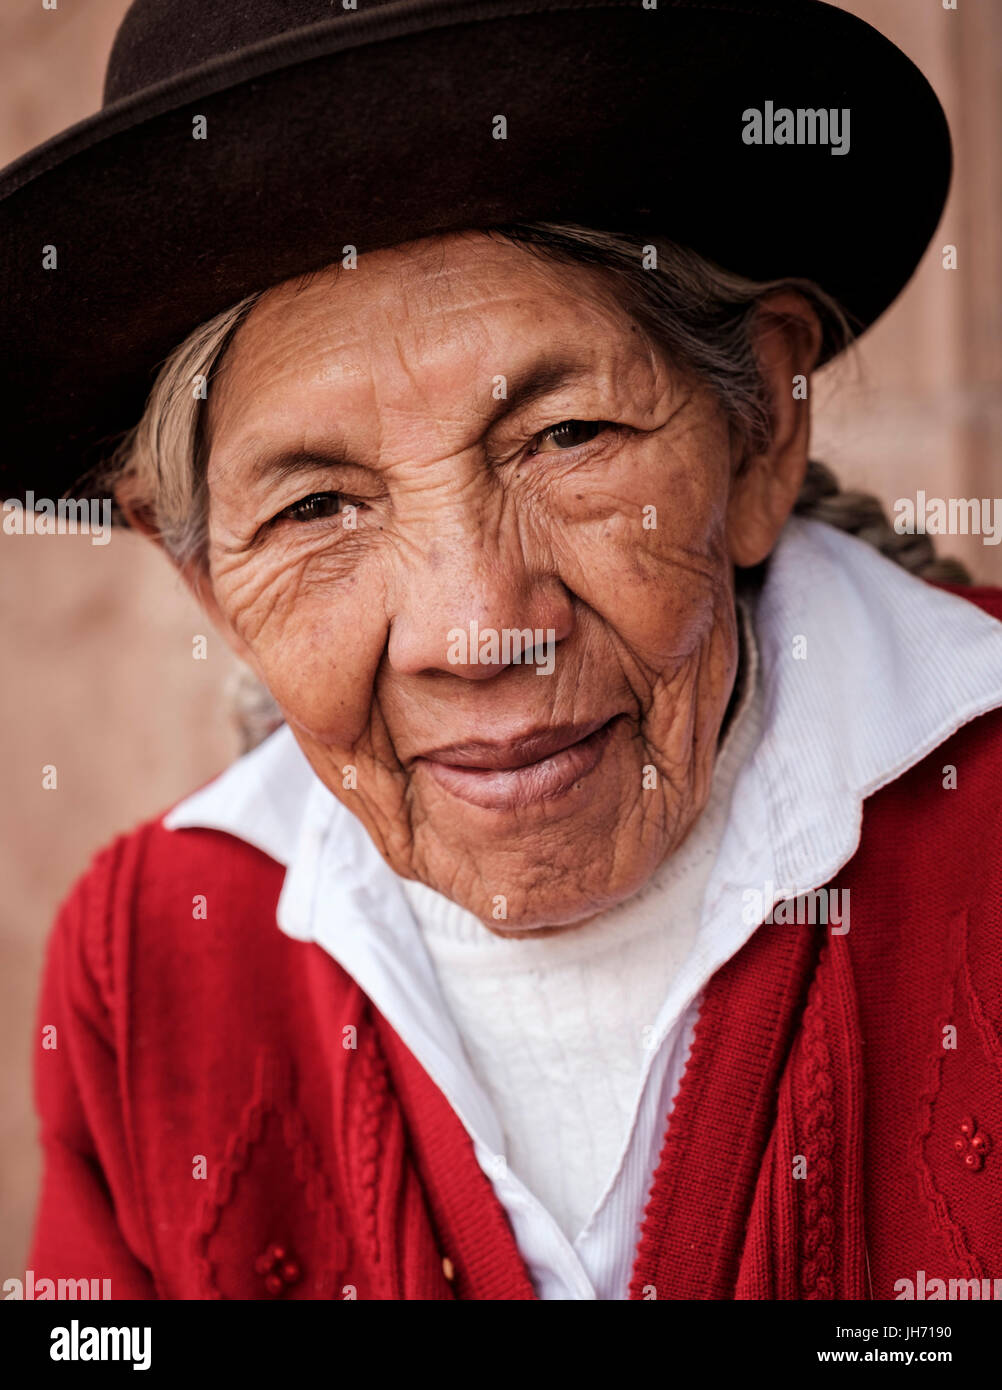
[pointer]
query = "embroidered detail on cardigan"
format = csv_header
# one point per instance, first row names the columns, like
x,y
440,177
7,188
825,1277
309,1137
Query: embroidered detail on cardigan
x,y
817,1236
972,1145
988,1030
933,1195
271,1098
375,1081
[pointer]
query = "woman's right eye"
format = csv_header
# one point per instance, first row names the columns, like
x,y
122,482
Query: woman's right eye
x,y
316,507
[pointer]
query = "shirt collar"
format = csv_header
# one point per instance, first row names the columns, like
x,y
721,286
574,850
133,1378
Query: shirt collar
x,y
864,671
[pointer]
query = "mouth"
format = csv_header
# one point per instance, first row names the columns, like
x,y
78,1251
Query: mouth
x,y
538,766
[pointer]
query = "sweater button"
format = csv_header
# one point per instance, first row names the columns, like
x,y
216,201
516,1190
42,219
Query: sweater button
x,y
448,1269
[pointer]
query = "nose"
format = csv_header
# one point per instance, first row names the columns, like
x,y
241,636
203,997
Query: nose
x,y
473,605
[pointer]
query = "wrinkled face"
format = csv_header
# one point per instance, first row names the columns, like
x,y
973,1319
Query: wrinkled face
x,y
471,530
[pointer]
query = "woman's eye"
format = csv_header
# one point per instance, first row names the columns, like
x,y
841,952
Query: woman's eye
x,y
569,434
313,508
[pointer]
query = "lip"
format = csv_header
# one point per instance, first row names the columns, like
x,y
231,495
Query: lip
x,y
533,767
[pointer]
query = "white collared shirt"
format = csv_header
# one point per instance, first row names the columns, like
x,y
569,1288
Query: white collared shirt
x,y
863,671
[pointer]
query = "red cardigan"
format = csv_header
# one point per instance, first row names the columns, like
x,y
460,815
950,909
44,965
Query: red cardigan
x,y
225,1115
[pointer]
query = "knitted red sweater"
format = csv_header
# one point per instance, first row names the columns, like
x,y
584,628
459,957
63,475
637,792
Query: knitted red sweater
x,y
224,1114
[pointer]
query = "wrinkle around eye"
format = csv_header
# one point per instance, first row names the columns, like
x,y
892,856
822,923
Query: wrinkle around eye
x,y
274,527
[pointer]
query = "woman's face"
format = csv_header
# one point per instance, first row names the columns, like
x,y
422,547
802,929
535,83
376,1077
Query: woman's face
x,y
413,462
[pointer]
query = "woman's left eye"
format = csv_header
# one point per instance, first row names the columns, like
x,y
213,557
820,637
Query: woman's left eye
x,y
569,434
313,508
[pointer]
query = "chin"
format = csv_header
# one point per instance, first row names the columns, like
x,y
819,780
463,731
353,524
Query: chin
x,y
566,902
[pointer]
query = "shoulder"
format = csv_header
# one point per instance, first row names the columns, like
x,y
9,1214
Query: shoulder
x,y
190,898
931,846
951,800
155,905
152,866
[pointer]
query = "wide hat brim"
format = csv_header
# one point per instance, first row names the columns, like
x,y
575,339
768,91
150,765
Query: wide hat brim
x,y
375,128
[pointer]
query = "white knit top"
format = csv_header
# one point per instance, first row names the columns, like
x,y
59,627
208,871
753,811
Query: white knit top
x,y
555,1028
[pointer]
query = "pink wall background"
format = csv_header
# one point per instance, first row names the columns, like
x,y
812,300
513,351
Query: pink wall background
x,y
98,671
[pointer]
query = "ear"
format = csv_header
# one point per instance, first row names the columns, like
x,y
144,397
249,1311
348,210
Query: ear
x,y
138,516
196,577
787,340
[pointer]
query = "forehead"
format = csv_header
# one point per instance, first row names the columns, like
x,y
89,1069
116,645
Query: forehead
x,y
467,301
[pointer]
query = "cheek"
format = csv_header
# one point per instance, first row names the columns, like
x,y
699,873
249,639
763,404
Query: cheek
x,y
647,547
316,639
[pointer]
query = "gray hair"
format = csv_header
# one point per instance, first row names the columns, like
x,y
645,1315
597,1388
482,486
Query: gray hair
x,y
700,315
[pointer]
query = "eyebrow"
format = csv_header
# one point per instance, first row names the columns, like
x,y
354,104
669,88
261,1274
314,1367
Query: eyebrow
x,y
539,379
275,465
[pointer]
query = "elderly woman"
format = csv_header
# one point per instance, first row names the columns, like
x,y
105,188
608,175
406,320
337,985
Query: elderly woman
x,y
615,910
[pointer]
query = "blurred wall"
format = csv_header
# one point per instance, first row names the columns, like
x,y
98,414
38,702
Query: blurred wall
x,y
923,406
99,678
98,674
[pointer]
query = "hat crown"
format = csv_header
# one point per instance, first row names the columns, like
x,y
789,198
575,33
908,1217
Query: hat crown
x,y
161,39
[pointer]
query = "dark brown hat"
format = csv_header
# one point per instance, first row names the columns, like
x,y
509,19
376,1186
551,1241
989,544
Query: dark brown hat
x,y
246,142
